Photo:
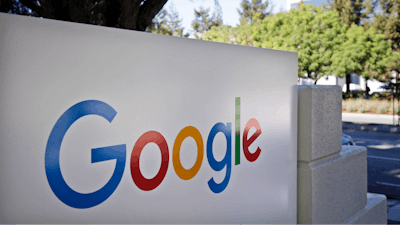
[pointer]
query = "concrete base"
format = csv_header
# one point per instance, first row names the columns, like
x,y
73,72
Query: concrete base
x,y
319,122
333,188
375,212
2,220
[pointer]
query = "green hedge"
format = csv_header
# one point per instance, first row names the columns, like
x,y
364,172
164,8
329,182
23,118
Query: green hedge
x,y
374,96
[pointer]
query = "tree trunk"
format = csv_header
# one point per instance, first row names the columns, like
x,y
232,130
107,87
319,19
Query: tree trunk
x,y
367,88
348,83
129,14
112,13
398,96
147,11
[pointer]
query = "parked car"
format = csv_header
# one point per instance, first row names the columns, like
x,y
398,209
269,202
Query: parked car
x,y
347,140
383,89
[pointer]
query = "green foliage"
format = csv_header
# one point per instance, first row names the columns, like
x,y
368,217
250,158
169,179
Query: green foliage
x,y
167,23
374,96
383,110
397,110
253,10
203,22
325,45
357,12
353,11
312,32
381,96
393,63
352,95
233,35
390,64
387,21
363,52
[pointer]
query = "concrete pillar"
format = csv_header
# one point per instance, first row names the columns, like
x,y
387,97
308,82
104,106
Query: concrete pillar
x,y
331,178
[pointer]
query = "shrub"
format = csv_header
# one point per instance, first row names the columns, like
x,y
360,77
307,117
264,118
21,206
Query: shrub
x,y
352,95
383,110
374,96
397,110
367,106
381,96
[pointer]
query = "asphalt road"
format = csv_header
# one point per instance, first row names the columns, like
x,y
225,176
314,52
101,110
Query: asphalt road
x,y
383,161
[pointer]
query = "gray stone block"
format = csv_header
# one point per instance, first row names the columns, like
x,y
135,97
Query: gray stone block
x,y
319,121
333,188
2,220
375,212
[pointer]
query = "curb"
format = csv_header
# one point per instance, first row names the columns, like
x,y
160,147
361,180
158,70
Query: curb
x,y
382,128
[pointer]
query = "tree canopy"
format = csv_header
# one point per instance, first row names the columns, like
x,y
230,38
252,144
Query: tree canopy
x,y
167,22
393,64
353,11
312,32
250,10
325,44
364,52
203,22
128,14
387,21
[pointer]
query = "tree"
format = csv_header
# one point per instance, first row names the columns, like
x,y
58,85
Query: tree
x,y
388,21
364,52
394,64
312,32
250,10
392,71
167,23
128,14
203,22
386,71
14,7
353,11
234,35
394,67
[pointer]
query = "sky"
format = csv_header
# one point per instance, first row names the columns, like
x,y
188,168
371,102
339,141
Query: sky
x,y
230,16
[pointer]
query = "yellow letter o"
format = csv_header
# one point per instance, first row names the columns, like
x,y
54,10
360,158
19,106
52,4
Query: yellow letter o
x,y
183,173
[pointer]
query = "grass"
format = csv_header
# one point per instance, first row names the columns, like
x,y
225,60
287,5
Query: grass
x,y
369,106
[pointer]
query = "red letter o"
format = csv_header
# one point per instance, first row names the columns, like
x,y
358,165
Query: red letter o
x,y
137,177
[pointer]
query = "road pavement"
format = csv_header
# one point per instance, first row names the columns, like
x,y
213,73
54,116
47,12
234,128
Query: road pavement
x,y
383,144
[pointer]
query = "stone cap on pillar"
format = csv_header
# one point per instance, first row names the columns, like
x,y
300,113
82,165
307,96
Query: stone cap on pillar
x,y
319,121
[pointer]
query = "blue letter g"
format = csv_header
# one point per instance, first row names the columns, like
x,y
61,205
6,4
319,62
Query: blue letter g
x,y
52,156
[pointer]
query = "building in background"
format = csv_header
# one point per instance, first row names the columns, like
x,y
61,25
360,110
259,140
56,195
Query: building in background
x,y
357,83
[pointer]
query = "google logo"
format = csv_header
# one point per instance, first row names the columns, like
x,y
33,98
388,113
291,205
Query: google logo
x,y
93,107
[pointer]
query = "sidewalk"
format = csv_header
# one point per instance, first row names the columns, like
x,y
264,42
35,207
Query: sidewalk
x,y
370,122
375,123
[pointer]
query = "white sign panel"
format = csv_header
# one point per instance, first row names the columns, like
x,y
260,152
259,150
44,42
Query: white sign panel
x,y
102,125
